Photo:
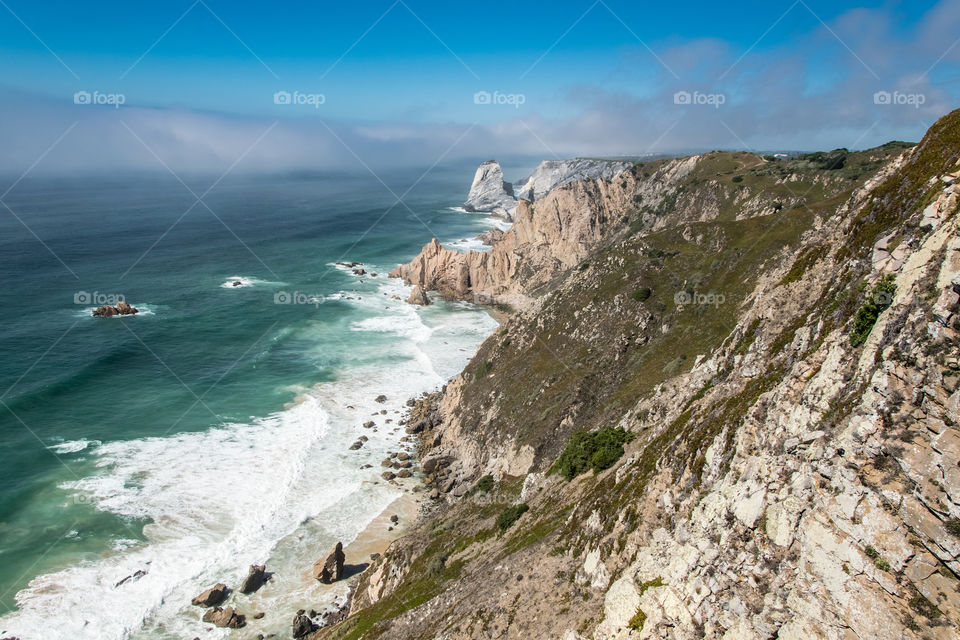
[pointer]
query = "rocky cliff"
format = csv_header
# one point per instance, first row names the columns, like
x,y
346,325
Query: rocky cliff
x,y
490,193
551,174
764,356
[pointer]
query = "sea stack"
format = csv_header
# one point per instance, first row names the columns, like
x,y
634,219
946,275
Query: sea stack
x,y
330,569
489,193
418,297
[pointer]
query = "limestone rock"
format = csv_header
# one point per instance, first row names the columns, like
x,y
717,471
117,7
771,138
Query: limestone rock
x,y
551,174
489,193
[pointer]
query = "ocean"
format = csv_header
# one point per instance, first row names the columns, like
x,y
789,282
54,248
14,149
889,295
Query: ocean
x,y
148,457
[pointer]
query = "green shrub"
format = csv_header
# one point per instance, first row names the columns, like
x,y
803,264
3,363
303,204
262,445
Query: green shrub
x,y
924,607
484,485
640,294
636,622
597,450
881,564
880,298
437,564
511,515
483,370
872,553
738,178
953,526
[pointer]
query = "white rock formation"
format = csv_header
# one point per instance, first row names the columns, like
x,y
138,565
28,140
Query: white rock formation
x,y
553,173
489,193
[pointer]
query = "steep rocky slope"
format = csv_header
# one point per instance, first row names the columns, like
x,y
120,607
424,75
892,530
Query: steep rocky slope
x,y
779,341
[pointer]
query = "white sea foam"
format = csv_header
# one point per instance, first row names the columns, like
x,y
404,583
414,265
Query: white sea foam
x,y
280,489
231,282
468,244
73,446
499,223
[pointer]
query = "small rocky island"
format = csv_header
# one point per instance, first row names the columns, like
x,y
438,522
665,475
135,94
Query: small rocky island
x,y
122,308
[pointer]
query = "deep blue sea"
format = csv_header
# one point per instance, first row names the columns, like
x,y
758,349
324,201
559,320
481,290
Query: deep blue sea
x,y
211,430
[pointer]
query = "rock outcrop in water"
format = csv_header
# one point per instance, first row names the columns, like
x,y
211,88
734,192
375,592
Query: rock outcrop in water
x,y
779,343
212,596
255,578
489,193
418,296
120,309
225,617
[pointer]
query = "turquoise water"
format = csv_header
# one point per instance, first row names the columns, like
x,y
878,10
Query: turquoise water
x,y
211,430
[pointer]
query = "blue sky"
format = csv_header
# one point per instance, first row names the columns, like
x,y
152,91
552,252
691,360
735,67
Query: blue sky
x,y
594,77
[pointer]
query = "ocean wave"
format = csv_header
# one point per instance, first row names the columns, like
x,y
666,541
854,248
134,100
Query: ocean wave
x,y
468,244
280,489
499,223
73,446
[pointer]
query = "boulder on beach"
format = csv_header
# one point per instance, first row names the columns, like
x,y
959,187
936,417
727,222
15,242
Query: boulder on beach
x,y
225,617
302,626
419,297
381,398
254,579
212,596
120,309
330,569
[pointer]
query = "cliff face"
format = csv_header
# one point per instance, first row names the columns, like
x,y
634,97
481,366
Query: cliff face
x,y
547,237
489,192
551,174
782,342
